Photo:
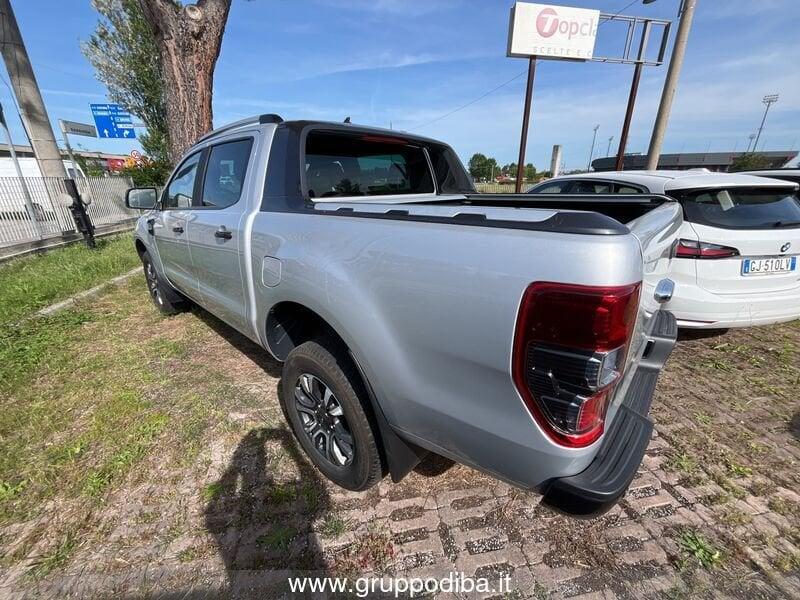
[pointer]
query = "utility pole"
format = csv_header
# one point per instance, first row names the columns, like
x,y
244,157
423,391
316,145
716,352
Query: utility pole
x,y
26,89
591,152
526,117
24,184
671,83
769,101
637,75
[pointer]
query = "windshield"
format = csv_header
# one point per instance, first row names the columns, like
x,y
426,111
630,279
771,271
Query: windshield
x,y
742,208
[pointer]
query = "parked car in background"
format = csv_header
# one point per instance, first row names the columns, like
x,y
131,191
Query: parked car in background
x,y
737,259
521,335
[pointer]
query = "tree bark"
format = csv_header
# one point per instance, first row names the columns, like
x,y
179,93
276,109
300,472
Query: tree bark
x,y
189,39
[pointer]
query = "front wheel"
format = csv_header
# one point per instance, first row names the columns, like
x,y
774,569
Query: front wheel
x,y
324,401
165,298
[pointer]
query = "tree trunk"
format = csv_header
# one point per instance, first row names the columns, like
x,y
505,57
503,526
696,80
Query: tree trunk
x,y
189,39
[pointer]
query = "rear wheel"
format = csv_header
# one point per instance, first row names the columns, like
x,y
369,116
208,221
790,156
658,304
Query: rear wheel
x,y
324,401
167,300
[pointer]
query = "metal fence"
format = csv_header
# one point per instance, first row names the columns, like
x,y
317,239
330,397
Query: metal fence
x,y
51,215
501,188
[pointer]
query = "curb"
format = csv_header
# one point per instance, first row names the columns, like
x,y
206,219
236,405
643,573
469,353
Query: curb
x,y
54,308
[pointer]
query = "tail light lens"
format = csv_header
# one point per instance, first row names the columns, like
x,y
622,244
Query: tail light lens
x,y
569,353
695,249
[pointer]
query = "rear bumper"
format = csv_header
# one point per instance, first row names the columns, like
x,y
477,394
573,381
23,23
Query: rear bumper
x,y
597,488
697,308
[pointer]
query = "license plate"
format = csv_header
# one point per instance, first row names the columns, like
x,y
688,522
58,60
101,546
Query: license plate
x,y
766,266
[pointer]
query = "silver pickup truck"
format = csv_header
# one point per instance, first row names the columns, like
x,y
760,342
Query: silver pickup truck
x,y
517,334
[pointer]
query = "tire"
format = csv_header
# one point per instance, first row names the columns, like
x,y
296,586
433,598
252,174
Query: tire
x,y
327,428
166,299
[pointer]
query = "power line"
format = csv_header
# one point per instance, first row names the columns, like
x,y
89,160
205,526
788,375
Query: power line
x,y
517,76
618,13
471,102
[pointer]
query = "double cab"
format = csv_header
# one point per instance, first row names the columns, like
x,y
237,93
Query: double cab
x,y
517,334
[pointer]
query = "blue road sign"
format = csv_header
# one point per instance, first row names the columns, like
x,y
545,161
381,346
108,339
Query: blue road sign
x,y
112,121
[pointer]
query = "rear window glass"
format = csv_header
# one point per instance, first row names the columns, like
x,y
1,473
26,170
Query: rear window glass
x,y
590,187
742,208
550,188
364,165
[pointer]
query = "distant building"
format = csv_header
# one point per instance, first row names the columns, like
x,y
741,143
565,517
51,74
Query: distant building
x,y
106,161
713,161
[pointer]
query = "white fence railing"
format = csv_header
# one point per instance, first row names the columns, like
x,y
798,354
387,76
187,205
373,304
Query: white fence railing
x,y
51,215
500,188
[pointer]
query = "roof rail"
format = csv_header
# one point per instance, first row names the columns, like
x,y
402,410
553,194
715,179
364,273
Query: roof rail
x,y
260,119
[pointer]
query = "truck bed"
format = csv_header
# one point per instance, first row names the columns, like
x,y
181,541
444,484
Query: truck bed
x,y
620,207
583,214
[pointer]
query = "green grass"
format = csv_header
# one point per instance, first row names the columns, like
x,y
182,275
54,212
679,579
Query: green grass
x,y
310,497
212,491
737,470
30,283
682,462
282,493
128,453
333,525
56,557
26,347
89,392
696,547
277,539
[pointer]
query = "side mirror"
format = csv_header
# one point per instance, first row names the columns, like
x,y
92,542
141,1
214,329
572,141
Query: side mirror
x,y
141,198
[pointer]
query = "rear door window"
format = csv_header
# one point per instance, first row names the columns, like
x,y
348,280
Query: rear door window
x,y
338,165
742,208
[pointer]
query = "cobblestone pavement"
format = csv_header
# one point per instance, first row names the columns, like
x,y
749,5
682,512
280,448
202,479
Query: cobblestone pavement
x,y
713,512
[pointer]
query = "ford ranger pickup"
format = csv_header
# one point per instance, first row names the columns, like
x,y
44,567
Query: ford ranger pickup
x,y
521,335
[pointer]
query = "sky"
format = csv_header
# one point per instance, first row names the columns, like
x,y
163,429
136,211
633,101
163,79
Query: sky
x,y
407,63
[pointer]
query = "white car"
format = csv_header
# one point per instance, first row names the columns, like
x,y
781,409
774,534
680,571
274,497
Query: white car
x,y
738,253
787,174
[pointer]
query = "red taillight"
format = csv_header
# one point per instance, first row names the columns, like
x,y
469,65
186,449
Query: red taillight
x,y
569,352
383,139
695,249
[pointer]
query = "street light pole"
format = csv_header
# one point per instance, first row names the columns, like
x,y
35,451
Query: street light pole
x,y
769,100
750,138
591,152
69,149
671,82
608,150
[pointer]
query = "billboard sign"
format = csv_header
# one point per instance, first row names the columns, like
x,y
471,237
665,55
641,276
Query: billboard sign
x,y
555,32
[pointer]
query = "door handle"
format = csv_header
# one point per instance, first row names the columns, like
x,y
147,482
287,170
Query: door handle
x,y
177,229
223,233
